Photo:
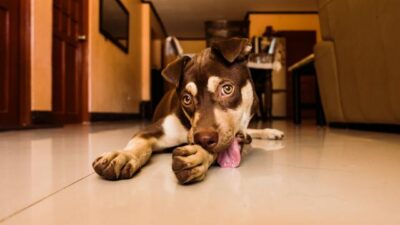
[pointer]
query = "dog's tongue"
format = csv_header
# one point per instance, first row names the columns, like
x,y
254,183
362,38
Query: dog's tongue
x,y
231,157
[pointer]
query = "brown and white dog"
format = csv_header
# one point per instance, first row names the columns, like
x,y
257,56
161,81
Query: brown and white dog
x,y
205,117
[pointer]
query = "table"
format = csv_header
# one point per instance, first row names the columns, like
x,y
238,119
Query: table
x,y
262,77
305,67
263,84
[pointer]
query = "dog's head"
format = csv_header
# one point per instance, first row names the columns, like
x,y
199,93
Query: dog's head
x,y
216,93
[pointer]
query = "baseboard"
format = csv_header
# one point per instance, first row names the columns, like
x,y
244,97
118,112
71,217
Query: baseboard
x,y
101,116
40,117
279,117
146,109
388,128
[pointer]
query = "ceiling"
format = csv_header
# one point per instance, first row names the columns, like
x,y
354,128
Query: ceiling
x,y
185,18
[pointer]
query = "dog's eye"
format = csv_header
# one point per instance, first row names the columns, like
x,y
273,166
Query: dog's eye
x,y
227,89
187,99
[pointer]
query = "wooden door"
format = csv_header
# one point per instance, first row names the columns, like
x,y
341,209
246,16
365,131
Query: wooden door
x,y
68,61
9,45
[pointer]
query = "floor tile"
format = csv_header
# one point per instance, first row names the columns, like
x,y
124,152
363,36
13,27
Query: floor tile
x,y
314,176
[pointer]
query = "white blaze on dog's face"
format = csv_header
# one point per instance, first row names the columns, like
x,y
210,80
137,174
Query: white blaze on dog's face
x,y
218,99
232,120
191,88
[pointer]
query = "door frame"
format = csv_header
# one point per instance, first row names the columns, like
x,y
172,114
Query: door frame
x,y
85,63
24,61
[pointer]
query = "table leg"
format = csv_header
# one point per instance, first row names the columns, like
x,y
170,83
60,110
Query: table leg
x,y
261,105
296,98
268,96
319,110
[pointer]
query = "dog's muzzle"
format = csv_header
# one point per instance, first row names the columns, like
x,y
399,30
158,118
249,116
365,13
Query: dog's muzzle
x,y
208,139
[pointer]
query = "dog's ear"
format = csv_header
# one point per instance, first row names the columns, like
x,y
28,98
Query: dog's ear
x,y
174,70
233,49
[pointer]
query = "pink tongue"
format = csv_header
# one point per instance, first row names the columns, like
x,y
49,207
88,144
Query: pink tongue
x,y
231,157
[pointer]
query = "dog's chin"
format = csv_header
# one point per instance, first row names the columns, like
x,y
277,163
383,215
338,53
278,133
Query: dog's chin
x,y
229,156
222,147
239,138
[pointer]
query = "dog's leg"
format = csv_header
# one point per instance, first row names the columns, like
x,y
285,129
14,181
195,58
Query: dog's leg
x,y
270,134
167,132
190,163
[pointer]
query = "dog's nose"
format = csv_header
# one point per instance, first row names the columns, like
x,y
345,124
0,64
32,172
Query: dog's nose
x,y
207,139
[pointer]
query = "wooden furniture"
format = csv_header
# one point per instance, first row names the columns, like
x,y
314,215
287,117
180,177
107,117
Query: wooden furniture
x,y
358,63
305,67
299,44
262,79
15,82
69,63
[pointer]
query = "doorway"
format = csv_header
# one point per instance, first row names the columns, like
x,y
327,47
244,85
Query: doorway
x,y
69,56
14,63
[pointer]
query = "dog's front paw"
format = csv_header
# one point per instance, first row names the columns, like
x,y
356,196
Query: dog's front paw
x,y
190,163
116,165
273,134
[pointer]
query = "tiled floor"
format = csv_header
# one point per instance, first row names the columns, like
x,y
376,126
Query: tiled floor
x,y
313,176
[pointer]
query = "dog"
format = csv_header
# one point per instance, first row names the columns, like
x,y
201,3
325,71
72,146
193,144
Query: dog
x,y
204,117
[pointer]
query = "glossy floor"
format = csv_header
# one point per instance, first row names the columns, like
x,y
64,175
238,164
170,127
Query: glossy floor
x,y
314,176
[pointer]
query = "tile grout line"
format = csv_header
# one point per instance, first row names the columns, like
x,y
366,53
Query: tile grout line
x,y
42,199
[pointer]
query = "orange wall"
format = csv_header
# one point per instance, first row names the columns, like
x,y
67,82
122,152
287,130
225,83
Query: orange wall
x,y
156,53
192,46
258,22
146,51
41,12
114,76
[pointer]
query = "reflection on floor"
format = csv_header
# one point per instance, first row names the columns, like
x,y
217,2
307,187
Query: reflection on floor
x,y
314,176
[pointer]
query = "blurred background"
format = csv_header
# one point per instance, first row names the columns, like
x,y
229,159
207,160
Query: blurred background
x,y
74,61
